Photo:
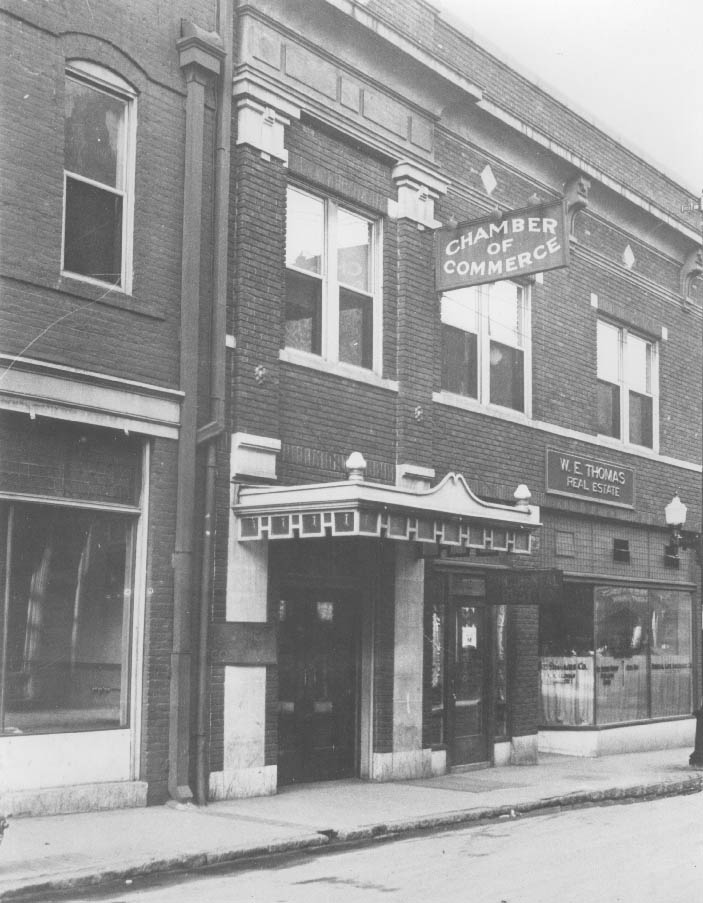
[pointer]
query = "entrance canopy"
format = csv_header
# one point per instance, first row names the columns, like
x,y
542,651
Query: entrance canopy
x,y
449,514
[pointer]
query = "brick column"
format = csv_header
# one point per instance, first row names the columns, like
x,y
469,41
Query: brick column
x,y
418,188
258,208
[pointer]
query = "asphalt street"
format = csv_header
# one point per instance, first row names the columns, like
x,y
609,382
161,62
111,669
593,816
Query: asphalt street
x,y
650,852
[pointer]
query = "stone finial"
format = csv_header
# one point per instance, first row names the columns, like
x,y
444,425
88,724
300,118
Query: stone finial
x,y
576,196
522,496
690,271
356,467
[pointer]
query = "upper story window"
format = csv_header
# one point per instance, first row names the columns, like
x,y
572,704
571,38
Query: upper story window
x,y
485,343
627,382
333,305
99,130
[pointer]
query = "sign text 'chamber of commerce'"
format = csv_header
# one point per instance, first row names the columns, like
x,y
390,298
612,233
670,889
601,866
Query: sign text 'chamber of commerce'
x,y
515,244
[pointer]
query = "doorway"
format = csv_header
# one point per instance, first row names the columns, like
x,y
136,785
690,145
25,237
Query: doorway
x,y
467,671
318,643
461,665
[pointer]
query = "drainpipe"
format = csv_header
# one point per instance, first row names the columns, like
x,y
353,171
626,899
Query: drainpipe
x,y
210,432
200,54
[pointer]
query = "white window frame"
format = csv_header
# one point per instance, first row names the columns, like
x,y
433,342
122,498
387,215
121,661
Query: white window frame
x,y
625,387
103,79
484,349
329,314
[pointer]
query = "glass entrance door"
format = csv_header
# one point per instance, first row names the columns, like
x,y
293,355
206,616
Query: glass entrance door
x,y
317,668
467,687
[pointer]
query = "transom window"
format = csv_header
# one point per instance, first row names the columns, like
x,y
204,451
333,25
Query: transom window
x,y
332,295
627,380
485,343
98,175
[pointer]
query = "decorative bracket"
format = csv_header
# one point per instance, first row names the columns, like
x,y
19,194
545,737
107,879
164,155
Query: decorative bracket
x,y
418,189
576,196
199,49
690,271
262,117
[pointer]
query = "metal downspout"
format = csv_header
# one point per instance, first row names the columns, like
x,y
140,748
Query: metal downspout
x,y
215,428
199,57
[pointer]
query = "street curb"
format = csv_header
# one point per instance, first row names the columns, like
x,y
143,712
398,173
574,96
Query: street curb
x,y
329,839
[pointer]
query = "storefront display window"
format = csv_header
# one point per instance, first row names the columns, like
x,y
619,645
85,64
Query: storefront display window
x,y
67,608
500,684
614,654
437,685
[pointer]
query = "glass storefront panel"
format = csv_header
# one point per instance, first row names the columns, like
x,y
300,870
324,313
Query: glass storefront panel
x,y
566,660
67,615
616,654
671,654
622,639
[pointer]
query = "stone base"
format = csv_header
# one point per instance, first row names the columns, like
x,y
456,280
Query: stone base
x,y
75,798
524,750
402,766
439,762
615,740
243,783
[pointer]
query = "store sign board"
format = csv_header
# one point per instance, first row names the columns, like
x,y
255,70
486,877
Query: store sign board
x,y
515,244
582,477
536,586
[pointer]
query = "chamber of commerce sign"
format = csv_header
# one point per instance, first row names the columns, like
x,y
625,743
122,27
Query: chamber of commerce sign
x,y
488,249
589,478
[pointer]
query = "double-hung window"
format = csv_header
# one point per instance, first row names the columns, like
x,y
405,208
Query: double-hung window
x,y
485,343
99,127
627,382
332,282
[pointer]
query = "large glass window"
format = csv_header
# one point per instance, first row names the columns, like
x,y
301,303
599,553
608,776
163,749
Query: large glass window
x,y
332,302
613,654
99,117
627,381
485,343
66,618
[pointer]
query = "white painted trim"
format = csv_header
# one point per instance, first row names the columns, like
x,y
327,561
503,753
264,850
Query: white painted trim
x,y
451,497
37,761
347,371
252,441
61,397
31,363
68,503
472,404
139,592
469,404
108,82
253,456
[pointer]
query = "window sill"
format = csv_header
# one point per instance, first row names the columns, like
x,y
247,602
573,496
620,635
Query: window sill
x,y
471,404
107,294
630,447
345,371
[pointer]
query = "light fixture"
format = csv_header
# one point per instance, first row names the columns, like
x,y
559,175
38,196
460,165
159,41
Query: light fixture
x,y
675,516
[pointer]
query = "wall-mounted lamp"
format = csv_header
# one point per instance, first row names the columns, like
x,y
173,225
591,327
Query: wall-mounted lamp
x,y
675,516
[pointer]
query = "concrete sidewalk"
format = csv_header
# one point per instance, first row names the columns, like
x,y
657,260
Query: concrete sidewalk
x,y
61,852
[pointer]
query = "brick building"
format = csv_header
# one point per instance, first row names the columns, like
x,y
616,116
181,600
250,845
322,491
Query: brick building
x,y
340,444
107,260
